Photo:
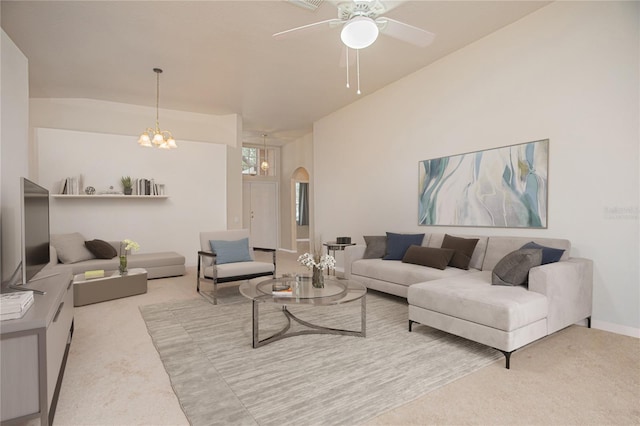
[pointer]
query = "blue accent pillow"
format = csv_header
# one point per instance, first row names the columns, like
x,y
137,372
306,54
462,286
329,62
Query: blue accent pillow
x,y
231,251
549,254
398,244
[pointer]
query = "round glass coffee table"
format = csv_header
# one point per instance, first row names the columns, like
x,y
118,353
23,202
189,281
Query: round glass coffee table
x,y
335,292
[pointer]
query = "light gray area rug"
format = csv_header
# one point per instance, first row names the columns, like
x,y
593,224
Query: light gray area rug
x,y
304,380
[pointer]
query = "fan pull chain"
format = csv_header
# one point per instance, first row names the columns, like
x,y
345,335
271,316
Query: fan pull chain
x,y
358,68
347,58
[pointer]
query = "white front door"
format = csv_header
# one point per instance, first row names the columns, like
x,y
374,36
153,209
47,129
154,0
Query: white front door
x,y
261,212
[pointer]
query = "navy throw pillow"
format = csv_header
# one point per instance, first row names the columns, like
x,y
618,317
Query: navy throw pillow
x,y
549,254
398,244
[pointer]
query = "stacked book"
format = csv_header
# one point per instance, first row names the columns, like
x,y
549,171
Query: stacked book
x,y
281,290
15,305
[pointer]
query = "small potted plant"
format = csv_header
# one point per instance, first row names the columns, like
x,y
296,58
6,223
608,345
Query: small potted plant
x,y
127,184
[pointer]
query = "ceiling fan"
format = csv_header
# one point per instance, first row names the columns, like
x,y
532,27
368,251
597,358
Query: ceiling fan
x,y
361,23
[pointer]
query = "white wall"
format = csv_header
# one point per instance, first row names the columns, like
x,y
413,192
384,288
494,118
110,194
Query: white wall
x,y
14,125
194,176
569,73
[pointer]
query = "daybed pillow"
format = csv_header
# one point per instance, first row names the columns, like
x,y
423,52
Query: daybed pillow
x,y
549,254
513,269
376,247
70,247
428,256
464,250
231,251
397,244
101,249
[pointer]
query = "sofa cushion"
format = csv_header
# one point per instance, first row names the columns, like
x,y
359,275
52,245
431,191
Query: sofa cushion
x,y
549,254
101,249
428,256
376,247
471,297
239,269
231,251
513,269
463,250
397,244
70,247
396,272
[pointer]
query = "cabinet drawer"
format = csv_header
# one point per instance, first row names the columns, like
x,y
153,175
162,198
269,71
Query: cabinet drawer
x,y
57,337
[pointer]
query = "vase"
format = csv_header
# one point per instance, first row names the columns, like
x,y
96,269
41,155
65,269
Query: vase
x,y
317,279
123,265
128,191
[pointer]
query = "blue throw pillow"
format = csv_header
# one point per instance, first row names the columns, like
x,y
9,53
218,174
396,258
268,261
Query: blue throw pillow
x,y
398,244
231,251
549,254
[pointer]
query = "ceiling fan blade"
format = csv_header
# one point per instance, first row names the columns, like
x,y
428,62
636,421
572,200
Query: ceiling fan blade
x,y
405,32
306,28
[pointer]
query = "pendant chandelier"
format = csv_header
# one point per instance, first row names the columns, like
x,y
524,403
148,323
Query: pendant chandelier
x,y
156,137
265,164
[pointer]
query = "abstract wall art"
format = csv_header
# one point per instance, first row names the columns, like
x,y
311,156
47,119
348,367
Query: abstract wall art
x,y
502,187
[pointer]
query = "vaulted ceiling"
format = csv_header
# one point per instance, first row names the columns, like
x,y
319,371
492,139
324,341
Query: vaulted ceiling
x,y
219,57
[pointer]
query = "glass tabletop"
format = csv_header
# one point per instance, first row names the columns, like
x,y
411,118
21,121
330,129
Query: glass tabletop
x,y
335,291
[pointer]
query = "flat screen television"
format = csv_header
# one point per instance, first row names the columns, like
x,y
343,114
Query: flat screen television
x,y
35,228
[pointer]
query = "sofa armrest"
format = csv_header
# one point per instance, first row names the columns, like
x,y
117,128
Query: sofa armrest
x,y
351,254
53,256
568,286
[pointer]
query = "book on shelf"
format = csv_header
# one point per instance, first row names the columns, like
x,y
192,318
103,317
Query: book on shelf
x,y
71,185
146,186
15,305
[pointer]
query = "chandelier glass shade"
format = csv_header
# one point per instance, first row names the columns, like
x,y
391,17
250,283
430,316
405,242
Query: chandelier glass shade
x,y
151,137
359,32
265,164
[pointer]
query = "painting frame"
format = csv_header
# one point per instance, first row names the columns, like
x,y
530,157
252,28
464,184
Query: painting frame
x,y
502,187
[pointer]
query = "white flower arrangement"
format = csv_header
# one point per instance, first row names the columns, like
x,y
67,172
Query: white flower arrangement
x,y
320,262
127,245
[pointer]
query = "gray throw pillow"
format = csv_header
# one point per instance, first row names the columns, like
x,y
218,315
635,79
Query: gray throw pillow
x,y
513,269
70,247
376,247
428,256
101,249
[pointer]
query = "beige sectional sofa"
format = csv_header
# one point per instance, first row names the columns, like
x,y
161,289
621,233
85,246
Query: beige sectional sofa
x,y
68,248
465,303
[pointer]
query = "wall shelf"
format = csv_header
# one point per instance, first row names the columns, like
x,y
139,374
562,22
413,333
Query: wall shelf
x,y
111,196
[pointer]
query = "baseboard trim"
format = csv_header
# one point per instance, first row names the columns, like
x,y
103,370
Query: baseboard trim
x,y
616,328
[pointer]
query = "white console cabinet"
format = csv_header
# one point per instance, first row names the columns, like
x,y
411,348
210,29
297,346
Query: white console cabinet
x,y
33,352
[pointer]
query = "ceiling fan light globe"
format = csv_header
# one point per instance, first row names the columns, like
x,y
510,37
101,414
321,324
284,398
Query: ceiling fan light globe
x,y
359,32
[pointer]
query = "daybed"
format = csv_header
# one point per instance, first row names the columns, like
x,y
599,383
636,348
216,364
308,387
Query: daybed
x,y
465,303
70,251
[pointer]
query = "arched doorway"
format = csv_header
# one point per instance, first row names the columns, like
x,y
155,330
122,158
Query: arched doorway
x,y
301,208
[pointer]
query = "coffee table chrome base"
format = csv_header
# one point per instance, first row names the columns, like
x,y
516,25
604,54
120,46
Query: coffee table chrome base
x,y
313,328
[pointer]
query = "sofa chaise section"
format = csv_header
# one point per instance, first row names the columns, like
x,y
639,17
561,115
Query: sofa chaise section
x,y
158,265
467,304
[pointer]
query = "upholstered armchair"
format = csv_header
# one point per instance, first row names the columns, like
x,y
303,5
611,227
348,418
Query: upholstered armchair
x,y
227,256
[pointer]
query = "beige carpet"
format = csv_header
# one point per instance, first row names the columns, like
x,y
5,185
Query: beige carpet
x,y
114,375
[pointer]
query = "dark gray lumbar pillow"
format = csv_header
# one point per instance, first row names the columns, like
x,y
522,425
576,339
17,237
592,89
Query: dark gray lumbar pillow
x,y
428,256
513,269
376,247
